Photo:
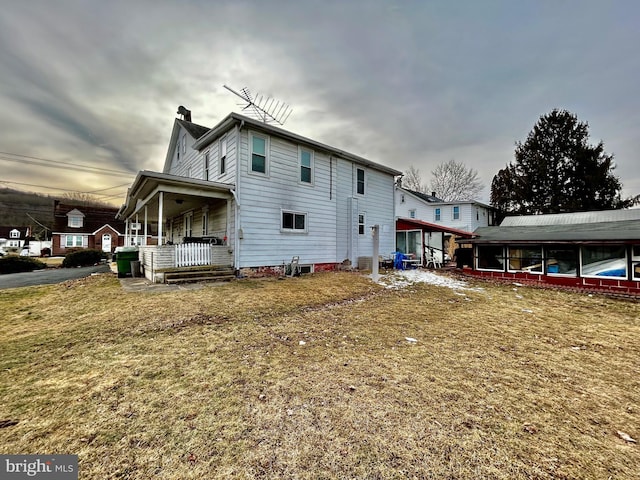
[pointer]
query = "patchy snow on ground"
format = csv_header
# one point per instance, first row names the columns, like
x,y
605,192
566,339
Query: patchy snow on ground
x,y
405,278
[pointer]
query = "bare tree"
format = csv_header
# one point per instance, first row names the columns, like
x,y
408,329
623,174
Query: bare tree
x,y
412,180
86,199
454,181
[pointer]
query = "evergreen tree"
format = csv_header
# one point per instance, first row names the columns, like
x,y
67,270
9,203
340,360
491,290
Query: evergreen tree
x,y
557,170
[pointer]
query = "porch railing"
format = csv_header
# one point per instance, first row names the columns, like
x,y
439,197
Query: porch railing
x,y
193,254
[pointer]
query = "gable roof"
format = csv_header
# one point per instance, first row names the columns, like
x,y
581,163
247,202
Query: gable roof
x,y
194,130
422,196
610,226
234,119
94,219
5,232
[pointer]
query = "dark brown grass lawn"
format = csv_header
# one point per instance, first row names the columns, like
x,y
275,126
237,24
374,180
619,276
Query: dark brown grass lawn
x,y
313,378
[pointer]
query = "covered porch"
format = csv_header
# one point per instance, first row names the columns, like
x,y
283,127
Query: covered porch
x,y
427,242
179,224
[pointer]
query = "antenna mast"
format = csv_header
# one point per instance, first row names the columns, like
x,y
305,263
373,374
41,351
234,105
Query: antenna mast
x,y
263,108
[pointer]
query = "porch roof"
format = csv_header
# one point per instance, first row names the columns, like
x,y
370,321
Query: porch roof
x,y
412,223
180,193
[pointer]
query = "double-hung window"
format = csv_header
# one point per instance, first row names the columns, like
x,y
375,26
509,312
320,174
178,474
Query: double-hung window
x,y
223,155
259,145
206,166
73,241
456,212
294,221
306,166
360,181
438,214
361,223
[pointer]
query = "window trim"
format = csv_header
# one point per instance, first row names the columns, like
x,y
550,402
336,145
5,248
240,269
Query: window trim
x,y
207,165
222,148
364,181
266,138
14,234
362,225
310,167
455,212
73,242
412,213
294,230
437,214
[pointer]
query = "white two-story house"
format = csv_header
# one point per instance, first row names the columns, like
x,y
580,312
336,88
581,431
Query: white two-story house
x,y
426,223
257,196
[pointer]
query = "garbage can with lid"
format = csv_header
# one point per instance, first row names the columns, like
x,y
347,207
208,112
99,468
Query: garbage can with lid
x,y
124,257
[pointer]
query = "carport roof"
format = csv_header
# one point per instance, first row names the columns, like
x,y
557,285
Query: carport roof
x,y
403,223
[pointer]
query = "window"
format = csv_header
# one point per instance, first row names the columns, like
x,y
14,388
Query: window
x,y
14,234
13,243
188,225
525,258
360,181
258,154
438,215
604,261
410,242
456,212
306,165
223,155
206,166
562,260
205,223
294,221
361,223
184,143
73,241
412,213
490,257
636,262
75,221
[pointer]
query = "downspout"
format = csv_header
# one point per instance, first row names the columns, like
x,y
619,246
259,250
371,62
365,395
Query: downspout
x,y
236,192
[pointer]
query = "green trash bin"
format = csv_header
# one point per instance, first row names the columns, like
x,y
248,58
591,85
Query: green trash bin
x,y
124,257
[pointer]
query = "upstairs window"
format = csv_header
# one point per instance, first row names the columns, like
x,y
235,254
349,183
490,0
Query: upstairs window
x,y
14,234
294,221
360,181
412,213
184,143
438,214
223,155
206,166
456,212
258,154
306,166
75,221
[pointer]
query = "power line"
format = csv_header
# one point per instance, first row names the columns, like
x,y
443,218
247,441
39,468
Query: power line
x,y
64,189
59,162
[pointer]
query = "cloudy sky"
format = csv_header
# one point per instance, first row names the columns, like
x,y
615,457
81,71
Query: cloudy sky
x,y
89,89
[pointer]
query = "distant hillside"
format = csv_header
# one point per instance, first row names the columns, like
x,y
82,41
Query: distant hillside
x,y
19,208
22,209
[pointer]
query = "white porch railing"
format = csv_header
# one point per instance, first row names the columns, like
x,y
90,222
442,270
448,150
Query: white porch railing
x,y
193,254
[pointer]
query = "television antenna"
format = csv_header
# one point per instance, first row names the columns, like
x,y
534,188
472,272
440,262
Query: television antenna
x,y
262,107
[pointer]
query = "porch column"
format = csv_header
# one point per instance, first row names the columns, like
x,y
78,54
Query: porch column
x,y
227,227
144,241
137,224
160,214
126,232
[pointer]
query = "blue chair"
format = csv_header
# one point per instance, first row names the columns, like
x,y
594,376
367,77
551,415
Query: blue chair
x,y
397,260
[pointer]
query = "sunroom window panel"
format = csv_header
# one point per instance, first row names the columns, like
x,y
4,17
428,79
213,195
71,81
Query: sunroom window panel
x,y
604,261
490,257
562,260
528,259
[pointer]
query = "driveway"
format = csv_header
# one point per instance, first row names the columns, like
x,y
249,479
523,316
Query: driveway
x,y
48,276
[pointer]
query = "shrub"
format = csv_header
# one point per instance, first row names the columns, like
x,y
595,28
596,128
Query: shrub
x,y
17,264
83,258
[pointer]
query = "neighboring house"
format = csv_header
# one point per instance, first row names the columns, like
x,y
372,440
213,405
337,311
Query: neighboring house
x,y
12,239
426,224
592,250
257,196
85,227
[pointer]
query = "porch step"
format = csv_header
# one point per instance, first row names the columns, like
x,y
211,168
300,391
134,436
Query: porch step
x,y
216,274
